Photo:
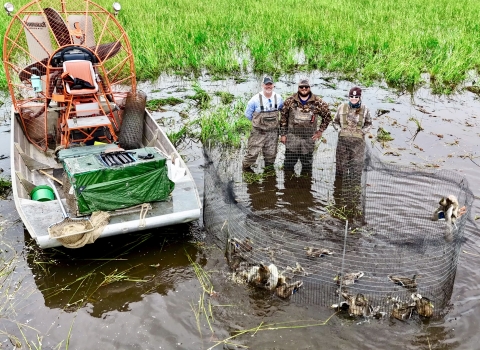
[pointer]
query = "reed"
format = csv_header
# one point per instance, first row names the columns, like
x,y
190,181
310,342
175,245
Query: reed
x,y
394,41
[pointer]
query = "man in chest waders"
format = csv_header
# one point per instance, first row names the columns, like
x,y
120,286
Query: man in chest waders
x,y
305,117
263,110
353,121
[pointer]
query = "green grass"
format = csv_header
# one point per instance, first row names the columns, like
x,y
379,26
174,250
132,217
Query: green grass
x,y
224,124
368,40
5,188
225,97
201,97
157,104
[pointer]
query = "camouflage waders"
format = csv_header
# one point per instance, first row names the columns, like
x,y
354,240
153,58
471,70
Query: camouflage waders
x,y
351,144
300,144
264,136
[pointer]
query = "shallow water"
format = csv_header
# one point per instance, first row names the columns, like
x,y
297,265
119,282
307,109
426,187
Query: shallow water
x,y
155,308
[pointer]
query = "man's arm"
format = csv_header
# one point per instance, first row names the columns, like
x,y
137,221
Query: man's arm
x,y
284,119
251,105
321,110
367,124
284,116
336,120
279,101
324,112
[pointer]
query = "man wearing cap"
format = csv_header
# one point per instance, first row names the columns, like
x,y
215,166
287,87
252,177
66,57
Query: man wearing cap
x,y
263,110
305,117
353,120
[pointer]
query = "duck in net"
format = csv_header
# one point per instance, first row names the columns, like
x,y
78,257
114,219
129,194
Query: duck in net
x,y
352,232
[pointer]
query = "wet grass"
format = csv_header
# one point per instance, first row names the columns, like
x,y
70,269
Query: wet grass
x,y
157,104
225,97
5,188
224,124
201,97
391,40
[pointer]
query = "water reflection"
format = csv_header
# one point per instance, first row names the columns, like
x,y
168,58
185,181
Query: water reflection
x,y
112,274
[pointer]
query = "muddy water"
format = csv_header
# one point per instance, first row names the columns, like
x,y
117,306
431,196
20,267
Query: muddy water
x,y
141,292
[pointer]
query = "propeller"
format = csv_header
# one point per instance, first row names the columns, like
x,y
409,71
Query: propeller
x,y
103,51
58,26
63,37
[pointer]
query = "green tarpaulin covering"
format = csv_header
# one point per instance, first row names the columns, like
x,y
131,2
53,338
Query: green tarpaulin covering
x,y
101,187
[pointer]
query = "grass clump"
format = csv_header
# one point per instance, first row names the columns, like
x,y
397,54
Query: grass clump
x,y
157,104
225,125
5,188
225,97
201,96
177,137
383,135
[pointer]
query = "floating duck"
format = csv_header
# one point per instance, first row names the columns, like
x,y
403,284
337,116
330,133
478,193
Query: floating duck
x,y
285,290
423,305
358,304
316,252
409,283
348,278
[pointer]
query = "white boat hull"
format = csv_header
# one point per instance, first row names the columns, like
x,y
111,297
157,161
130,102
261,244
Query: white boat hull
x,y
183,206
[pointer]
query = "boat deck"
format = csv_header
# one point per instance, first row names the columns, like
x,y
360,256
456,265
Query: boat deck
x,y
182,206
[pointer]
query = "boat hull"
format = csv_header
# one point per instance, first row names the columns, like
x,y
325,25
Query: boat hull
x,y
182,206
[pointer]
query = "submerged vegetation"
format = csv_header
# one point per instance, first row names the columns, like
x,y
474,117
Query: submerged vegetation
x,y
389,40
5,188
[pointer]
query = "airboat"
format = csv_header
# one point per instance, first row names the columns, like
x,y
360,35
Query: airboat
x,y
87,158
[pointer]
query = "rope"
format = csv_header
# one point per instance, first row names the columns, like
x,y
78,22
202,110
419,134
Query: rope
x,y
143,213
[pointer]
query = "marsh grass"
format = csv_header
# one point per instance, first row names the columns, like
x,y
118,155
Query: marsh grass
x,y
383,135
5,188
225,97
177,137
249,177
224,124
389,40
157,104
201,96
203,307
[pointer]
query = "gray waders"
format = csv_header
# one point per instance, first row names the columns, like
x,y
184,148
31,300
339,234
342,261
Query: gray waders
x,y
264,135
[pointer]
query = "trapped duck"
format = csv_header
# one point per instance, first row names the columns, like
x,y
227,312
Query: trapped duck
x,y
348,278
316,252
285,290
423,305
409,283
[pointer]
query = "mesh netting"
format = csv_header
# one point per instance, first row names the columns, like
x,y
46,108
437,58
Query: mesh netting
x,y
349,213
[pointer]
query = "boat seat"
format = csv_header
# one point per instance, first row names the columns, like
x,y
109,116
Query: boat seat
x,y
78,71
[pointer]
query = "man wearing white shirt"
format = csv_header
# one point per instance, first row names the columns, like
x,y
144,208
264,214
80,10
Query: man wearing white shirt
x,y
263,110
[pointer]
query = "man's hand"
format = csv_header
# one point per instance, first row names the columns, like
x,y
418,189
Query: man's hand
x,y
317,135
283,139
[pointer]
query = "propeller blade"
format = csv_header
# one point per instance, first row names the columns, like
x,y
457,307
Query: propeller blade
x,y
59,27
106,51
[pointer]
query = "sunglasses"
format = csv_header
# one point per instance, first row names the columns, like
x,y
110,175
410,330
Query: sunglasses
x,y
304,87
354,96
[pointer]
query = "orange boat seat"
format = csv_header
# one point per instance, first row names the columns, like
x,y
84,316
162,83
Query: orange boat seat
x,y
83,70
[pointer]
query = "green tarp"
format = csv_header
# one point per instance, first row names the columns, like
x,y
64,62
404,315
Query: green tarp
x,y
101,187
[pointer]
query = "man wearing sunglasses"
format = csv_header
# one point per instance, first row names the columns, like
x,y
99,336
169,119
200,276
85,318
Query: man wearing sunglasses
x,y
353,120
263,110
305,117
